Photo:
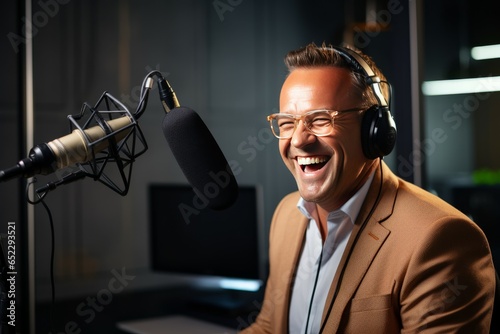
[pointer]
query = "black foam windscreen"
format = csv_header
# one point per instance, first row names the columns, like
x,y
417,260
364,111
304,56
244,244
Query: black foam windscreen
x,y
200,158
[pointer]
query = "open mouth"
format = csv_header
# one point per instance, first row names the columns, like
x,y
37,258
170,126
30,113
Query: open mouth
x,y
312,164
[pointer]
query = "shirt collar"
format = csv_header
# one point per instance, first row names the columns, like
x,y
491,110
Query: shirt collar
x,y
351,207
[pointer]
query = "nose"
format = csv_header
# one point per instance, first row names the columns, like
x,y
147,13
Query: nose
x,y
302,136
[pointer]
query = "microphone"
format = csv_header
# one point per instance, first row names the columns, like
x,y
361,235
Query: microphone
x,y
80,146
200,158
116,139
105,135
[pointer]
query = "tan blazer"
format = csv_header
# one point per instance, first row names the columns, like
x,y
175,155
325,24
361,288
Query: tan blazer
x,y
418,266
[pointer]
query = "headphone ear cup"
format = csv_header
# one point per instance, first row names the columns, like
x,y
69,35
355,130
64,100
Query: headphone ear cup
x,y
378,132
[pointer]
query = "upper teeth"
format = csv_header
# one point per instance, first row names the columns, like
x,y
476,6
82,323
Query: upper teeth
x,y
310,161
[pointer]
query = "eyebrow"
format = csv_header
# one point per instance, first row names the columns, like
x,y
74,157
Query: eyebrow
x,y
328,109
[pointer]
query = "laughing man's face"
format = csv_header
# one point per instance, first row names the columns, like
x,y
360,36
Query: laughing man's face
x,y
330,169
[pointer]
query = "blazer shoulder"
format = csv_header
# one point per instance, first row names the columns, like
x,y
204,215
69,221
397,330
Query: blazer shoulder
x,y
286,215
290,199
425,202
287,206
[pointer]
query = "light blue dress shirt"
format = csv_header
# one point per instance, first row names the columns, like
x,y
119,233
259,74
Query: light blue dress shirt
x,y
313,280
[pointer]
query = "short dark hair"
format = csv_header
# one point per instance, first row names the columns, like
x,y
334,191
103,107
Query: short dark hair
x,y
312,56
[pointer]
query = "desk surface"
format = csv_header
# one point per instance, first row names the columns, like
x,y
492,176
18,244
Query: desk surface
x,y
173,324
146,310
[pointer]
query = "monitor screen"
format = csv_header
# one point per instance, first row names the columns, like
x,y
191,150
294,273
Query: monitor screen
x,y
189,238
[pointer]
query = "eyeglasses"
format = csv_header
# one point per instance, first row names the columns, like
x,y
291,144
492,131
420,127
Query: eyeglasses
x,y
317,122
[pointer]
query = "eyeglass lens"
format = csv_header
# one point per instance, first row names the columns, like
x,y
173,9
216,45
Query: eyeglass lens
x,y
319,123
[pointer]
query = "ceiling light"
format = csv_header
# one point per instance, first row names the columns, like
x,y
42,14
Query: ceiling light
x,y
461,86
485,52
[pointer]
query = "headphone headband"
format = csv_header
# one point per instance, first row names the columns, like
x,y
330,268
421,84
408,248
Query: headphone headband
x,y
355,60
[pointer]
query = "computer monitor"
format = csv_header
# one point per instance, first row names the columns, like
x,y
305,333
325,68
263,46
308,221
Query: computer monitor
x,y
188,238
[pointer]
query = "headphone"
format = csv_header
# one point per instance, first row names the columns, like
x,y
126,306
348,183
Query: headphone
x,y
378,129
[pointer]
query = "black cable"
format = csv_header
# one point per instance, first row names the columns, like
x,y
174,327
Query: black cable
x,y
168,97
52,248
361,228
52,252
314,289
143,99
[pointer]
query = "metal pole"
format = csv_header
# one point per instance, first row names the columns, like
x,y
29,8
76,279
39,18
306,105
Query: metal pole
x,y
29,134
417,112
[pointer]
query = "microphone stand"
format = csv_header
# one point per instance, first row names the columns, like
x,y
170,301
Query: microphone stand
x,y
122,152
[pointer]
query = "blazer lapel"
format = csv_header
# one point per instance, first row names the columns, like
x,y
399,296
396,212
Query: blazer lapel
x,y
292,262
290,238
362,247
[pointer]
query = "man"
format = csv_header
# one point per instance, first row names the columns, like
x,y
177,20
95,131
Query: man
x,y
356,249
